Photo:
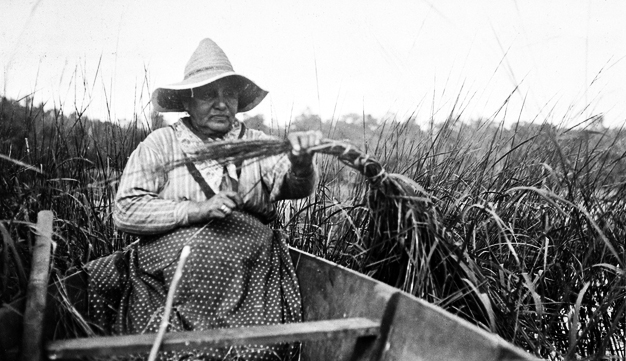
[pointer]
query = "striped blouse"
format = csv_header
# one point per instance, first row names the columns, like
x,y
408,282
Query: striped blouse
x,y
154,198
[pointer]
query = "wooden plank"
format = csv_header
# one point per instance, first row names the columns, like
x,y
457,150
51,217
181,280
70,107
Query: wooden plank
x,y
271,334
36,292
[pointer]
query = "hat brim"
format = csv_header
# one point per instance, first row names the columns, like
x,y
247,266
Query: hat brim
x,y
168,98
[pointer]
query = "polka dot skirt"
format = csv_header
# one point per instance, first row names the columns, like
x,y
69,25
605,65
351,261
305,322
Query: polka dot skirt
x,y
239,274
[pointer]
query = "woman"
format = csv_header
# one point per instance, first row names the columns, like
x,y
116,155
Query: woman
x,y
239,272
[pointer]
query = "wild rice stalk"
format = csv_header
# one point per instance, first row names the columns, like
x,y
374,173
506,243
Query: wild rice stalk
x,y
169,302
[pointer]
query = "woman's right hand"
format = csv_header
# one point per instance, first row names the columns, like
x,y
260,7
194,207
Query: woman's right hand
x,y
219,206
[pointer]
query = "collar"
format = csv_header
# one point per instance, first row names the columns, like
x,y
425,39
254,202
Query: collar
x,y
192,145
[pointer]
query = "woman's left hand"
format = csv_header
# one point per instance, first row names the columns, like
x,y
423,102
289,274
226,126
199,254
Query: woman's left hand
x,y
300,156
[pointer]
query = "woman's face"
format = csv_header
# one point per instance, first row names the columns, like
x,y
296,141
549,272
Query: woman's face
x,y
212,108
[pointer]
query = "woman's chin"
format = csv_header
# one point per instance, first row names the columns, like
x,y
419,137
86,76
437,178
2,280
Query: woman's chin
x,y
216,129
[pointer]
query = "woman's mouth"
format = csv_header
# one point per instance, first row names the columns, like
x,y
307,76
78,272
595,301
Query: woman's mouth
x,y
221,118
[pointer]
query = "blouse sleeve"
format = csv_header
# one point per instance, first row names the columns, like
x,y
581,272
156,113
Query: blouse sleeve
x,y
138,207
284,184
294,186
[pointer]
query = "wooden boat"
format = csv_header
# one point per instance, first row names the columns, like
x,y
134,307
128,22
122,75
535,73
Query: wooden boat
x,y
348,316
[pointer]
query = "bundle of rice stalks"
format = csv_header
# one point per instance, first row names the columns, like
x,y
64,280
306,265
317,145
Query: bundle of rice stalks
x,y
402,245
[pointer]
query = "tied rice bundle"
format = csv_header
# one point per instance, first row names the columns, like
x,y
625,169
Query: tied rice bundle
x,y
401,227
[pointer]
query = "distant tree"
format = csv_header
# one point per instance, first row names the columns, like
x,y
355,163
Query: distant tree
x,y
353,128
257,122
306,121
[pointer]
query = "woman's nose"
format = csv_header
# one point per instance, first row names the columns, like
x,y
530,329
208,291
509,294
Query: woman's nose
x,y
220,102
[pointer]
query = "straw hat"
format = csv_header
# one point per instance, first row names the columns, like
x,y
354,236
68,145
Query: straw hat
x,y
206,65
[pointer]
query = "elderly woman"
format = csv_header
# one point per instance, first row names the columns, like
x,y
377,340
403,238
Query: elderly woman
x,y
239,272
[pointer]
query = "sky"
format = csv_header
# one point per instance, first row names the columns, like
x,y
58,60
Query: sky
x,y
534,60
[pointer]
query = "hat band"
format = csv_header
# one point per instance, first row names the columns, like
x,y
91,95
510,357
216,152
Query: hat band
x,y
208,68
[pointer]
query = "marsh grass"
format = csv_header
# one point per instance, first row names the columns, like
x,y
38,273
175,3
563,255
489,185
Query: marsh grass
x,y
518,229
